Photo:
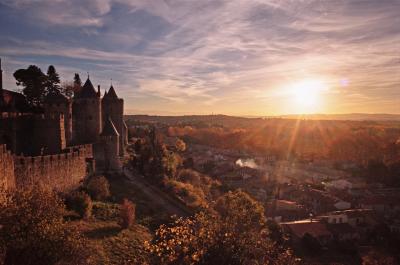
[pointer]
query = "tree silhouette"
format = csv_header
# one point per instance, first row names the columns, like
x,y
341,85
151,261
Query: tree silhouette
x,y
33,81
77,83
53,81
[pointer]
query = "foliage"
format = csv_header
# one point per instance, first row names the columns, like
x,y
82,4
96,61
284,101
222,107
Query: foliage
x,y
354,141
34,232
209,186
98,188
170,163
310,244
180,145
234,233
52,81
33,81
378,258
77,81
192,196
81,203
127,213
153,159
275,232
106,211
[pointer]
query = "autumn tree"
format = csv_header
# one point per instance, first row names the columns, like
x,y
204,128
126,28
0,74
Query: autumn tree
x,y
98,188
33,230
127,213
233,232
180,145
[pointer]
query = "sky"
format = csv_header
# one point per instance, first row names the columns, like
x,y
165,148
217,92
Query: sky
x,y
235,57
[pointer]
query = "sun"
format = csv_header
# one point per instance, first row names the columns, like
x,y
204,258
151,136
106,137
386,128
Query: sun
x,y
306,94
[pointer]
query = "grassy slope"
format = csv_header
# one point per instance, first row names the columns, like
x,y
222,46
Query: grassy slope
x,y
114,245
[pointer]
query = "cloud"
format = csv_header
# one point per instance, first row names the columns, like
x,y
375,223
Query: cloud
x,y
217,51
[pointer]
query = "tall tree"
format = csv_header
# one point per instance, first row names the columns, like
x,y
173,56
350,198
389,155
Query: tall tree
x,y
77,82
53,80
33,81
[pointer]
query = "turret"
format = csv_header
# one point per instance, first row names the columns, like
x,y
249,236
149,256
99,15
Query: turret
x,y
86,115
108,147
56,103
113,107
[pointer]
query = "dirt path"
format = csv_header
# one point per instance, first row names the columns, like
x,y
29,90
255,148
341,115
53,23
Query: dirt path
x,y
158,197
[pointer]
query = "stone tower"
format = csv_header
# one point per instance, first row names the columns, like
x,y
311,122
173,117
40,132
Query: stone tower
x,y
108,147
86,115
56,103
113,107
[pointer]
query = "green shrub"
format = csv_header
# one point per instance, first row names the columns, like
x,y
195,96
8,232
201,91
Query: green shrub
x,y
98,188
81,203
127,213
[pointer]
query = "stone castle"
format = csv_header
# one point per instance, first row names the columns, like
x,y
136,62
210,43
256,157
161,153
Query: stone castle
x,y
68,140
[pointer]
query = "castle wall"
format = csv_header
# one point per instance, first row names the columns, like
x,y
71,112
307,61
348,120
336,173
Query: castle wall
x,y
62,172
64,108
107,154
86,119
114,108
32,134
7,177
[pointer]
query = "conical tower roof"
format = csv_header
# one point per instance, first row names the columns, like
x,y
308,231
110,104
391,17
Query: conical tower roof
x,y
87,90
111,94
109,128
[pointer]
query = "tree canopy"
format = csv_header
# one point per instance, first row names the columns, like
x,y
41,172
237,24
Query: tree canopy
x,y
53,81
33,230
33,81
234,232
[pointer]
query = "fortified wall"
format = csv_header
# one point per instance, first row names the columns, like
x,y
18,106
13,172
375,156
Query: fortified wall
x,y
32,134
7,177
61,172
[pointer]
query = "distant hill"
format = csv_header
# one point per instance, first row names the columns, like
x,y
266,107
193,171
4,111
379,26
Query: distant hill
x,y
350,116
252,120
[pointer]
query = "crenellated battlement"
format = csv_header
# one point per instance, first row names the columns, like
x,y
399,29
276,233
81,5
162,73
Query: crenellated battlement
x,y
62,172
35,116
72,153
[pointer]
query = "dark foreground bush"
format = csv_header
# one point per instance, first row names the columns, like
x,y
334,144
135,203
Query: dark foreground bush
x,y
127,213
81,203
98,188
33,231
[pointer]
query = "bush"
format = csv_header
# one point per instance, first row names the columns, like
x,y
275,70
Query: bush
x,y
233,234
98,188
190,195
127,213
81,203
33,230
106,211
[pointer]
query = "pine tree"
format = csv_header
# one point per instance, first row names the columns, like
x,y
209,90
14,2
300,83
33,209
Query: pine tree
x,y
77,80
77,83
53,81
